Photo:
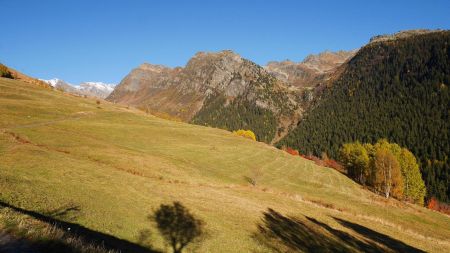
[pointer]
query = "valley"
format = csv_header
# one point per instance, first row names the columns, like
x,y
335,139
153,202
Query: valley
x,y
224,126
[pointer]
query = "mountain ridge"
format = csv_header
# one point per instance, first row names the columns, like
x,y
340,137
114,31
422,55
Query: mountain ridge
x,y
312,71
93,89
207,78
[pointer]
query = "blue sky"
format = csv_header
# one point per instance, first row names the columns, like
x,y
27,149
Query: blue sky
x,y
103,40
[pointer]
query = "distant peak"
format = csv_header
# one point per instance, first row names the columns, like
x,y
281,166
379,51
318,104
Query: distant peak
x,y
97,84
153,67
225,52
55,81
328,55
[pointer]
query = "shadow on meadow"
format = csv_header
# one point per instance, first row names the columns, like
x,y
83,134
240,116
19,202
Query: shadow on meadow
x,y
87,240
288,234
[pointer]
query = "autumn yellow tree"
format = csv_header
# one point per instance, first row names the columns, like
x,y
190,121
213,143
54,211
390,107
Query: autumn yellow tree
x,y
385,166
414,187
387,177
246,133
355,159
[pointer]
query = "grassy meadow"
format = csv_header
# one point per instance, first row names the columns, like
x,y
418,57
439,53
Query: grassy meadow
x,y
107,167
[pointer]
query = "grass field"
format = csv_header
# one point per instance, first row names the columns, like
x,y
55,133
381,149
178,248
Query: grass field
x,y
106,168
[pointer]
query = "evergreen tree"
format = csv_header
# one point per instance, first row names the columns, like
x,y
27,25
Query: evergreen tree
x,y
397,90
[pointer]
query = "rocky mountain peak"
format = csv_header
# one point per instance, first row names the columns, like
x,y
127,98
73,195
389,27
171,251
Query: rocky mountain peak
x,y
153,67
222,59
207,78
327,60
313,70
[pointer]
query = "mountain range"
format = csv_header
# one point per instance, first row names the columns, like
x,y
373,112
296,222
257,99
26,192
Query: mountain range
x,y
224,90
395,87
93,89
277,196
215,89
284,102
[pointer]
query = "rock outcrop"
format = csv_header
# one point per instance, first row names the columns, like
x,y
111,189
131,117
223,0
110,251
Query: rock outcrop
x,y
312,71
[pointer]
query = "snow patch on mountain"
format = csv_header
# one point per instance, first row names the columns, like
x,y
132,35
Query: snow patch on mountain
x,y
55,82
94,89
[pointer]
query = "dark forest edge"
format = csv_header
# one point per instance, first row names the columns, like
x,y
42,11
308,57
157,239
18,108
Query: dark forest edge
x,y
396,90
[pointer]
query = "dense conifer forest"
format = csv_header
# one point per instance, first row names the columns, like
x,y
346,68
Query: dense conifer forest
x,y
396,90
237,114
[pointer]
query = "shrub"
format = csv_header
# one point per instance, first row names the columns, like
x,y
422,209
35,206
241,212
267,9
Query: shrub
x,y
246,133
330,163
254,176
4,72
291,151
434,204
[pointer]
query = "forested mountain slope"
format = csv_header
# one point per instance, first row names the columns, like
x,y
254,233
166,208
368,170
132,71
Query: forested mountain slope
x,y
395,88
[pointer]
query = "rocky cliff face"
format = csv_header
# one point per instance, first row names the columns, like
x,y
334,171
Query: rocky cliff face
x,y
210,86
312,71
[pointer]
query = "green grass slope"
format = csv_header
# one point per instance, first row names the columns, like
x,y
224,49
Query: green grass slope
x,y
104,168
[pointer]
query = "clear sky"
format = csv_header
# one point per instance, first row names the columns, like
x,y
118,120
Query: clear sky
x,y
103,40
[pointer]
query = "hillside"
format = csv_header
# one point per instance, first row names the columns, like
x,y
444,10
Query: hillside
x,y
8,72
215,89
101,170
396,87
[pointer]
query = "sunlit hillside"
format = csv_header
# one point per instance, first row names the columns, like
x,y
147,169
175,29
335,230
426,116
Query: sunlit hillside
x,y
106,167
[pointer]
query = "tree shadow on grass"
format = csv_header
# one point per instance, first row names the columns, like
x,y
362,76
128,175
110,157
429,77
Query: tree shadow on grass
x,y
288,234
388,241
67,212
108,242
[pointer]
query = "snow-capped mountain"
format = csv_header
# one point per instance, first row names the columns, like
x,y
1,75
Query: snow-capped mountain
x,y
56,83
93,89
97,89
